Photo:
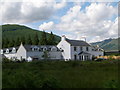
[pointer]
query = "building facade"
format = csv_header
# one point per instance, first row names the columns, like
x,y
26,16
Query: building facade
x,y
65,50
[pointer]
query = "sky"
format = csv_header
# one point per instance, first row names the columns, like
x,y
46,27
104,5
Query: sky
x,y
94,21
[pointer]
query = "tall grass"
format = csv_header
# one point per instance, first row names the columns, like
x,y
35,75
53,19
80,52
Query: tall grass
x,y
60,74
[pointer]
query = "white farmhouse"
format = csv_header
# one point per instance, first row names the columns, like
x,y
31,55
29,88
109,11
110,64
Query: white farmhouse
x,y
78,49
65,50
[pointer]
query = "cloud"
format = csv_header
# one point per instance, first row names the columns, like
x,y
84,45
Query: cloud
x,y
46,26
95,22
28,12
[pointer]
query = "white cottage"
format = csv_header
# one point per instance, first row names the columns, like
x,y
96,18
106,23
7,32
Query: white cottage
x,y
65,50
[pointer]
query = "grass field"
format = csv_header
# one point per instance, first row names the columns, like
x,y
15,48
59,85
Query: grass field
x,y
60,74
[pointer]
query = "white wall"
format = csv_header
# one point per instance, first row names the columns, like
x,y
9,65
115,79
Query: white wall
x,y
78,50
10,55
21,53
67,49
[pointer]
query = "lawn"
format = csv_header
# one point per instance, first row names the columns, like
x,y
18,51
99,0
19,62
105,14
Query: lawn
x,y
60,74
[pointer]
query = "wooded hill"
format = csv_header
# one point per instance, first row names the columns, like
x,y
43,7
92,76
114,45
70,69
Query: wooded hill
x,y
109,44
13,35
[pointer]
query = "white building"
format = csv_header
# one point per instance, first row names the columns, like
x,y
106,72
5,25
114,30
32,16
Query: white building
x,y
78,49
65,50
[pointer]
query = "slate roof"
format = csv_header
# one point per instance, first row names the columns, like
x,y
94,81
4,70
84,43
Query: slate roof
x,y
77,42
82,52
10,49
29,47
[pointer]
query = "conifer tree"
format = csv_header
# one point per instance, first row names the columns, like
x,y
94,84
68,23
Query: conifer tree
x,y
17,42
51,39
36,39
43,40
11,43
23,40
3,42
6,43
29,41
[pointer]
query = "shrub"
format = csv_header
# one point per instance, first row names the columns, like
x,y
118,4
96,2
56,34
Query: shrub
x,y
111,84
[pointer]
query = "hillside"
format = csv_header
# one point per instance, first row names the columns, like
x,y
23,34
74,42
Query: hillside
x,y
13,31
108,44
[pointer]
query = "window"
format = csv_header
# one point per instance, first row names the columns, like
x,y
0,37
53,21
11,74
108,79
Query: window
x,y
13,50
44,49
87,49
81,48
53,49
7,50
35,49
75,48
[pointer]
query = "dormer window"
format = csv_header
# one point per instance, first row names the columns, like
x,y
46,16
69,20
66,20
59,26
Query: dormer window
x,y
35,48
7,50
53,49
13,50
1,51
44,49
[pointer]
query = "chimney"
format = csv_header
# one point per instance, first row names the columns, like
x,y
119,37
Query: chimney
x,y
63,38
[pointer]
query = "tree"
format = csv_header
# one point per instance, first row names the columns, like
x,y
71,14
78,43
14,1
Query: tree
x,y
29,41
46,54
11,43
3,42
23,40
6,43
51,39
17,42
36,39
43,40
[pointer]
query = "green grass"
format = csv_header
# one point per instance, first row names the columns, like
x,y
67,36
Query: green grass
x,y
60,74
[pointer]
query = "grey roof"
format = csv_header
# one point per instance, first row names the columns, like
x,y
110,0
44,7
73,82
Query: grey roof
x,y
29,47
77,42
83,52
10,49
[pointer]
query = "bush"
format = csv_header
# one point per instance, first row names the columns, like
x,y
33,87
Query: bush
x,y
111,84
5,60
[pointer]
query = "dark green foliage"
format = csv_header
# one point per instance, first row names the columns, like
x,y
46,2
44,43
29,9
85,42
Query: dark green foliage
x,y
17,42
51,39
36,39
111,84
46,55
60,74
11,43
43,39
23,40
6,43
13,31
28,40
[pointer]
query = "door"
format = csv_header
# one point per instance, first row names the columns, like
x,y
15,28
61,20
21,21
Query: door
x,y
75,57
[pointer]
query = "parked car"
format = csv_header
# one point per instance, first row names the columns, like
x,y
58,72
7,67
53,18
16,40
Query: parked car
x,y
100,59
